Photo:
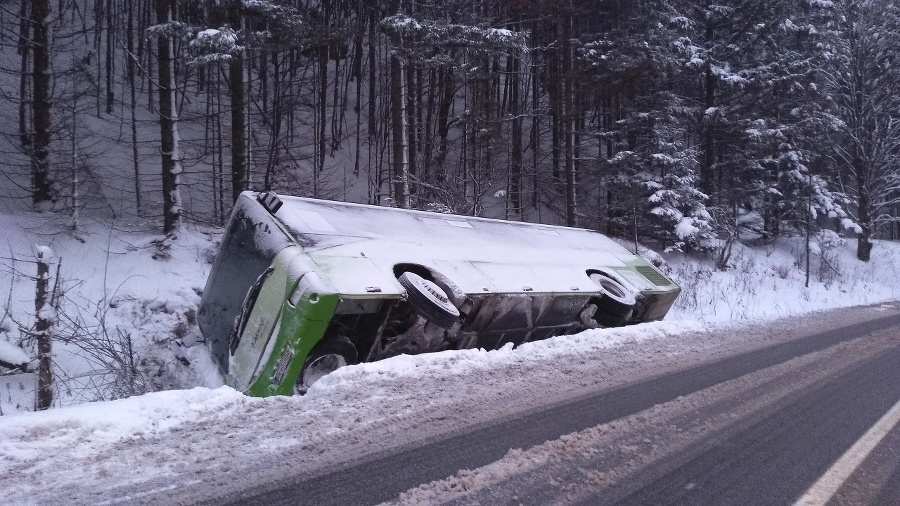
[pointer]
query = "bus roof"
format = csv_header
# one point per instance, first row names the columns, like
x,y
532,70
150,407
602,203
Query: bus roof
x,y
319,224
480,254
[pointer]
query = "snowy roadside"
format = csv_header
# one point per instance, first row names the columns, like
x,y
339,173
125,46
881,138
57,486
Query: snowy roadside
x,y
214,434
115,302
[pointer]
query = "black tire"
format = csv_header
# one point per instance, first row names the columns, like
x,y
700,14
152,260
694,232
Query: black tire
x,y
615,299
329,355
429,300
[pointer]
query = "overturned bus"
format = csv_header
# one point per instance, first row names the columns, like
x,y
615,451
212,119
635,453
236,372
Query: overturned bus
x,y
301,287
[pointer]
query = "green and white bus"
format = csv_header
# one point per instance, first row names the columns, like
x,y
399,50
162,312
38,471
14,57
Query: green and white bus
x,y
301,287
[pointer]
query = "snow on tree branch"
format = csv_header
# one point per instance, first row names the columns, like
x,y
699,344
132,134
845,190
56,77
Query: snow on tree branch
x,y
215,45
175,29
413,32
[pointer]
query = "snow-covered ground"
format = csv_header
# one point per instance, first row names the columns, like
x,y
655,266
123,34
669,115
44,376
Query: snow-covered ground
x,y
112,297
121,285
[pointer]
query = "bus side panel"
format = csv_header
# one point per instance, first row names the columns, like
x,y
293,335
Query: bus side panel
x,y
260,324
301,328
657,305
250,243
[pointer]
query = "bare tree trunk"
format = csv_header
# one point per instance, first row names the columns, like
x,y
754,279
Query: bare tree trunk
x,y
322,109
132,85
490,130
76,198
514,188
220,151
110,41
864,210
40,160
357,72
555,104
263,73
707,132
411,112
399,134
168,123
142,49
277,112
237,94
430,104
42,330
568,124
535,134
25,43
99,20
445,76
372,129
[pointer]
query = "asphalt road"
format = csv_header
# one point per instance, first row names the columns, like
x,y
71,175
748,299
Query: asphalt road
x,y
770,455
780,455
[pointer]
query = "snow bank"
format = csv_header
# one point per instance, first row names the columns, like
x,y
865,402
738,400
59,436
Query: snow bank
x,y
113,295
474,362
32,436
769,282
199,433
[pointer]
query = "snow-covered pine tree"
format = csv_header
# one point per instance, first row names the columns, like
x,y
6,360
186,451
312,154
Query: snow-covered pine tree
x,y
862,81
646,175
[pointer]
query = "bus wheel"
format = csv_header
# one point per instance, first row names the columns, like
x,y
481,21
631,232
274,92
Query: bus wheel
x,y
326,357
615,303
429,300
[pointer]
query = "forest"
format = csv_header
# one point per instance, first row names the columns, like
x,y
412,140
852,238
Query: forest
x,y
684,124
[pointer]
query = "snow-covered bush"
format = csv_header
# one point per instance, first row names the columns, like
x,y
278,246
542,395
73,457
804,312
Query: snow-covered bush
x,y
826,248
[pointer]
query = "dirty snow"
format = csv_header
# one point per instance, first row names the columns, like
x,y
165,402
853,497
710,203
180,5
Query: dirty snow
x,y
199,435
